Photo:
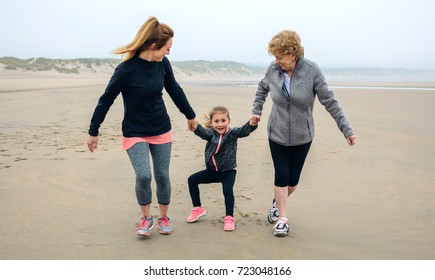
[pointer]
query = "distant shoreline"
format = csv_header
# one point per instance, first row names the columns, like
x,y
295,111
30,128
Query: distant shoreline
x,y
95,73
28,82
422,88
203,70
356,85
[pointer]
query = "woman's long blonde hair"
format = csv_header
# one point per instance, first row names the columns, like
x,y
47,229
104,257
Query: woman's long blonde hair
x,y
151,32
215,110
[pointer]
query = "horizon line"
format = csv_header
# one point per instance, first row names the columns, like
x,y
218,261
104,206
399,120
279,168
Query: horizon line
x,y
245,63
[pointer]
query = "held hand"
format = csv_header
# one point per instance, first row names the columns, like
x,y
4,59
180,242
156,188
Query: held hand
x,y
192,124
254,120
351,140
92,143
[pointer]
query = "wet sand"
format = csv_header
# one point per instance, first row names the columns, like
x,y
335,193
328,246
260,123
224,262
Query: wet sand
x,y
373,201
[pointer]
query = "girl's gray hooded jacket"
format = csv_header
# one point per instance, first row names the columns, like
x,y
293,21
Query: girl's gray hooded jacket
x,y
221,150
291,120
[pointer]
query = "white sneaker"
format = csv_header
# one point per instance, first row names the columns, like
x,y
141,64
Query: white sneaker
x,y
273,214
281,227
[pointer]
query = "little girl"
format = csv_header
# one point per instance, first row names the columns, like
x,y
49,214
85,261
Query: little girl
x,y
220,161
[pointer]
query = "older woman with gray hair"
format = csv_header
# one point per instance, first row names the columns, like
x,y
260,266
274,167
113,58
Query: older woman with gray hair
x,y
293,83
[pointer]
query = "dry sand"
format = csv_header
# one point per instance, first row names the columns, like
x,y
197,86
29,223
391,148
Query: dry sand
x,y
375,200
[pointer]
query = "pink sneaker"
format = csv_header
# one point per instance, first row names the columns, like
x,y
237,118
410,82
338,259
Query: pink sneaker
x,y
229,224
145,227
164,227
197,212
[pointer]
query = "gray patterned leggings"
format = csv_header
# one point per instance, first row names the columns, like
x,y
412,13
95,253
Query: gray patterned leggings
x,y
140,159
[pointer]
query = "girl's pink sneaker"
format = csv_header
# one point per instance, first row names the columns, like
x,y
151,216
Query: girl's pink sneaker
x,y
229,224
197,212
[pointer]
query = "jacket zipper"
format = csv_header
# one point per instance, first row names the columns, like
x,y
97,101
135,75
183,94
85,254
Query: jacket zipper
x,y
217,149
287,96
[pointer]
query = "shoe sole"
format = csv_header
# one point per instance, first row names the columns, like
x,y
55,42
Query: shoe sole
x,y
197,218
165,232
146,234
280,234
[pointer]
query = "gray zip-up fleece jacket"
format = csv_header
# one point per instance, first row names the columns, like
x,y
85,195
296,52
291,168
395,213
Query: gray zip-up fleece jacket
x,y
221,150
291,120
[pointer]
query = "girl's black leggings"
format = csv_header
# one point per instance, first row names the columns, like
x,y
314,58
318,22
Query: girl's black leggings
x,y
227,178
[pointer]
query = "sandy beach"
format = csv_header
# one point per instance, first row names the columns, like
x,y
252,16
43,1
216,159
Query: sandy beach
x,y
58,201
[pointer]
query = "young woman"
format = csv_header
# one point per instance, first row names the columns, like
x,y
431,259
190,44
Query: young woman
x,y
146,126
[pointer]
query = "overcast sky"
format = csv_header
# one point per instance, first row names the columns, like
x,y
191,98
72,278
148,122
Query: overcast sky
x,y
335,33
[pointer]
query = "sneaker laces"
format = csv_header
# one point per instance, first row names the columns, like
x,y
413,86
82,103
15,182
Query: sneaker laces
x,y
281,224
197,209
144,222
164,220
228,219
274,209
